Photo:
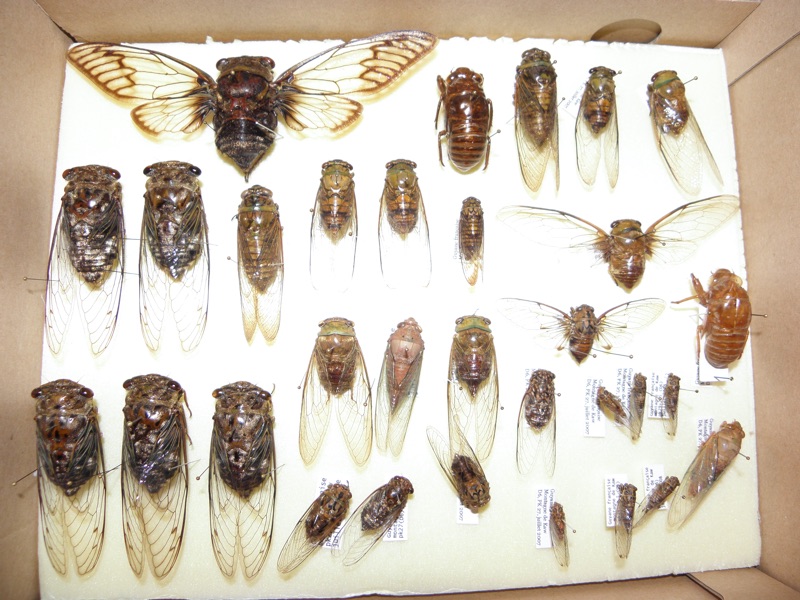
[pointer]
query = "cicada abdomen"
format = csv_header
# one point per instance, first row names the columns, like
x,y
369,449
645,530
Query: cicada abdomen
x,y
596,131
241,485
260,247
86,257
72,480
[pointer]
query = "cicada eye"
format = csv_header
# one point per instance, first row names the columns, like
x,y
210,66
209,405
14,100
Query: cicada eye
x,y
86,393
195,171
175,386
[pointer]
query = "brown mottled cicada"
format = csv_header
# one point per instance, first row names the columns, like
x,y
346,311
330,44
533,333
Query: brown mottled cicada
x,y
316,525
714,456
241,485
470,239
86,257
72,480
405,247
581,329
462,469
173,257
245,101
629,414
472,384
336,373
334,228
536,423
558,534
155,475
260,247
655,499
536,116
626,248
397,385
678,135
623,518
727,322
596,131
467,119
370,521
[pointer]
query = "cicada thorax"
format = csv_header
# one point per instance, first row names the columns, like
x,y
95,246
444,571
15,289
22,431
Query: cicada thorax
x,y
468,118
536,72
583,331
668,102
472,352
246,113
337,353
336,198
153,413
243,429
539,399
387,503
260,247
402,196
327,512
625,250
471,483
728,315
67,434
598,102
92,219
405,347
172,206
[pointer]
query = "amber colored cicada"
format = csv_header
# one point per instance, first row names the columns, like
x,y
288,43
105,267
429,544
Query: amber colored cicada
x,y
86,257
155,474
536,116
241,484
678,135
536,423
471,239
405,247
260,248
72,479
244,103
336,373
317,525
397,385
467,119
596,131
173,257
626,248
462,468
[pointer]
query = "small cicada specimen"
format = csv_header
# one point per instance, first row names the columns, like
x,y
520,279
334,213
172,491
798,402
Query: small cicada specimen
x,y
678,135
334,228
636,403
244,102
655,499
336,373
462,469
671,391
397,385
470,239
727,323
260,247
536,116
581,329
714,456
626,247
623,518
86,257
405,246
472,384
173,256
629,414
536,423
72,480
241,484
467,119
155,474
558,534
316,525
370,521
596,131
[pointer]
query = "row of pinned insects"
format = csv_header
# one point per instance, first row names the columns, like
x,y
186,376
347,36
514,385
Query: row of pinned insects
x,y
244,102
242,481
86,258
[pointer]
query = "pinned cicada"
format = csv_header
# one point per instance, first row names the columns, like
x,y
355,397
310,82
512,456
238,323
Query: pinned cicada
x,y
462,468
629,414
536,423
470,239
655,499
558,534
596,131
624,518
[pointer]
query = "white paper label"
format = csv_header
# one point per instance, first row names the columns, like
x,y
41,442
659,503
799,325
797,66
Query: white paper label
x,y
465,516
594,422
612,495
657,410
654,475
624,383
398,532
705,427
544,501
572,104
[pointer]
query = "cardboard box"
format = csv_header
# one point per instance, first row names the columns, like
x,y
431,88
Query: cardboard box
x,y
760,51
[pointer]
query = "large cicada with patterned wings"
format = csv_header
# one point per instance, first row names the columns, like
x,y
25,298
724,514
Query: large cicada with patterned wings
x,y
72,480
86,257
244,102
